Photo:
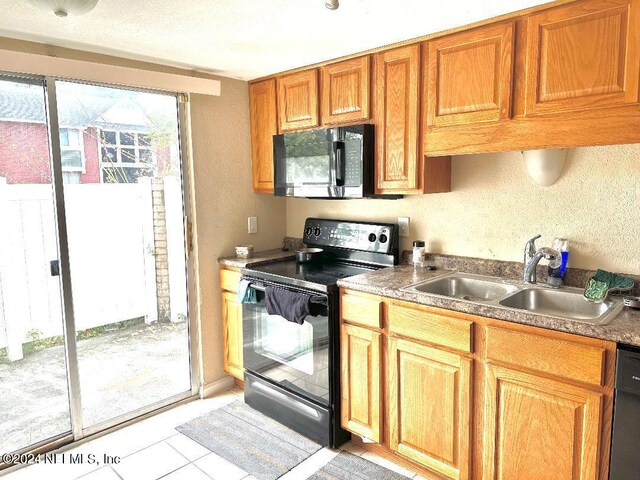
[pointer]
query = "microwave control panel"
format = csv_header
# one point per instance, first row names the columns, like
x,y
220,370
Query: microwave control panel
x,y
353,164
368,237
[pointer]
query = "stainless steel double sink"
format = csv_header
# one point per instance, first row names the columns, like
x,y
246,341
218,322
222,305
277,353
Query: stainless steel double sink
x,y
565,302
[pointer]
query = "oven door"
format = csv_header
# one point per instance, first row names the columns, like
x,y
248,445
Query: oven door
x,y
296,357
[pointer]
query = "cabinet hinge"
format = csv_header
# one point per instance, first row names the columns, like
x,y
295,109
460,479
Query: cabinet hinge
x,y
183,98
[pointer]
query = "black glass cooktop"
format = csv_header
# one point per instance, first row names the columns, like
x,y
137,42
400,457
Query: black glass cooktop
x,y
322,275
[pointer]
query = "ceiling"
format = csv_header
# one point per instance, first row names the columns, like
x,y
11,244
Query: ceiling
x,y
243,38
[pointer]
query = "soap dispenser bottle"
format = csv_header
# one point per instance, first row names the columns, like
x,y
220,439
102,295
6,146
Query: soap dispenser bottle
x,y
558,267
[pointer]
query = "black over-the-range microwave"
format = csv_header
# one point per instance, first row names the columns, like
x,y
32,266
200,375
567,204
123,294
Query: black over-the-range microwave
x,y
335,162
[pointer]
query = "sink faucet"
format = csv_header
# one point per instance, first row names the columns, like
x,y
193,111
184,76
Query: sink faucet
x,y
532,257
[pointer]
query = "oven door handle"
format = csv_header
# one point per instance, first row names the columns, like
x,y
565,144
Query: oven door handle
x,y
314,298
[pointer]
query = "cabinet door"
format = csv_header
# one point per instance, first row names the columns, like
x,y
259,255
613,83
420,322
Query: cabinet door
x,y
583,55
360,359
232,335
430,407
469,76
229,279
541,429
398,166
262,108
298,100
345,91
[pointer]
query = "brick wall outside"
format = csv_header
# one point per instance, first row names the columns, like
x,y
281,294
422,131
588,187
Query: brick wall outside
x,y
160,250
91,157
24,153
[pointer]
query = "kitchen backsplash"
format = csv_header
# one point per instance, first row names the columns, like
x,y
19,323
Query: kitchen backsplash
x,y
575,277
291,243
495,208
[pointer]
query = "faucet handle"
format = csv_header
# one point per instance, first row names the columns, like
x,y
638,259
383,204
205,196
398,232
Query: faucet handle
x,y
530,247
533,240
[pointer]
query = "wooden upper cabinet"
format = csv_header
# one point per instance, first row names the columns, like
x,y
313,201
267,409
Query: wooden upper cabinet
x,y
263,118
540,428
360,381
583,55
298,100
469,76
397,79
345,91
430,407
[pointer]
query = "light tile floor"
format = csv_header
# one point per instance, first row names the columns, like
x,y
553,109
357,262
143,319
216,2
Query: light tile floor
x,y
152,449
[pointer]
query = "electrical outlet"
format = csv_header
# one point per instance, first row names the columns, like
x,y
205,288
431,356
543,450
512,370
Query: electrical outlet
x,y
253,225
403,225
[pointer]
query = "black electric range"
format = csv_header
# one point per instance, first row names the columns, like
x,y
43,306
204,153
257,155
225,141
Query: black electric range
x,y
292,371
321,276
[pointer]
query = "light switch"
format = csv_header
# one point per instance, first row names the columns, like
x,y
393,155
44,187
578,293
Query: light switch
x,y
403,225
253,224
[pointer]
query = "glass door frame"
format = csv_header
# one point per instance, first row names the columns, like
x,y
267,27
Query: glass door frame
x,y
64,437
78,430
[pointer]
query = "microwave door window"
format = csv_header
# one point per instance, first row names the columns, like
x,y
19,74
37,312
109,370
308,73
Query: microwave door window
x,y
308,158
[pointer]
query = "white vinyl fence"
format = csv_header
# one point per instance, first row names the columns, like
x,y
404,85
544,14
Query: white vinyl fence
x,y
111,246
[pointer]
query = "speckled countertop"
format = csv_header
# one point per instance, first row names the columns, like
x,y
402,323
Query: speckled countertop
x,y
389,282
259,258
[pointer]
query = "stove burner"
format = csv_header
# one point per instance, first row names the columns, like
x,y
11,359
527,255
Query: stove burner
x,y
316,276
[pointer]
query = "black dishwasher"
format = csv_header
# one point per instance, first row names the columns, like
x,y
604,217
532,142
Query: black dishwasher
x,y
625,455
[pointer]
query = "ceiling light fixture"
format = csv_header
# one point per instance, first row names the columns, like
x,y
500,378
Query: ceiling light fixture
x,y
332,4
62,8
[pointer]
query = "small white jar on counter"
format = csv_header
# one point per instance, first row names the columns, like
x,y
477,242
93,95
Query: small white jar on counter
x,y
244,251
418,252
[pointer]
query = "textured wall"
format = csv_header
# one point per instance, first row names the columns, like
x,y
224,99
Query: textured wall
x,y
494,208
224,199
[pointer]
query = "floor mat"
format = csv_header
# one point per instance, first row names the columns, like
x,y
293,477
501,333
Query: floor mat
x,y
346,466
250,440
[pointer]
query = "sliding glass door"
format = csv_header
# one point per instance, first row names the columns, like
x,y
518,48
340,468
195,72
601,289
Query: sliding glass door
x,y
34,401
117,282
124,217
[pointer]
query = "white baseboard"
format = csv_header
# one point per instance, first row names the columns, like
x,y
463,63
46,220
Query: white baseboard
x,y
218,386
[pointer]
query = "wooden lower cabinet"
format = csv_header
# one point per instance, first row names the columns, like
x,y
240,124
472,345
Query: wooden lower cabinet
x,y
232,342
510,402
361,381
539,429
430,406
232,334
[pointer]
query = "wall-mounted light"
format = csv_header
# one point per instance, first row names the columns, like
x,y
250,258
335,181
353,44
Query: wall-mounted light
x,y
545,166
332,4
62,8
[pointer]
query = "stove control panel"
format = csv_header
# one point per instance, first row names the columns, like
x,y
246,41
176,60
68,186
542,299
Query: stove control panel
x,y
367,237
